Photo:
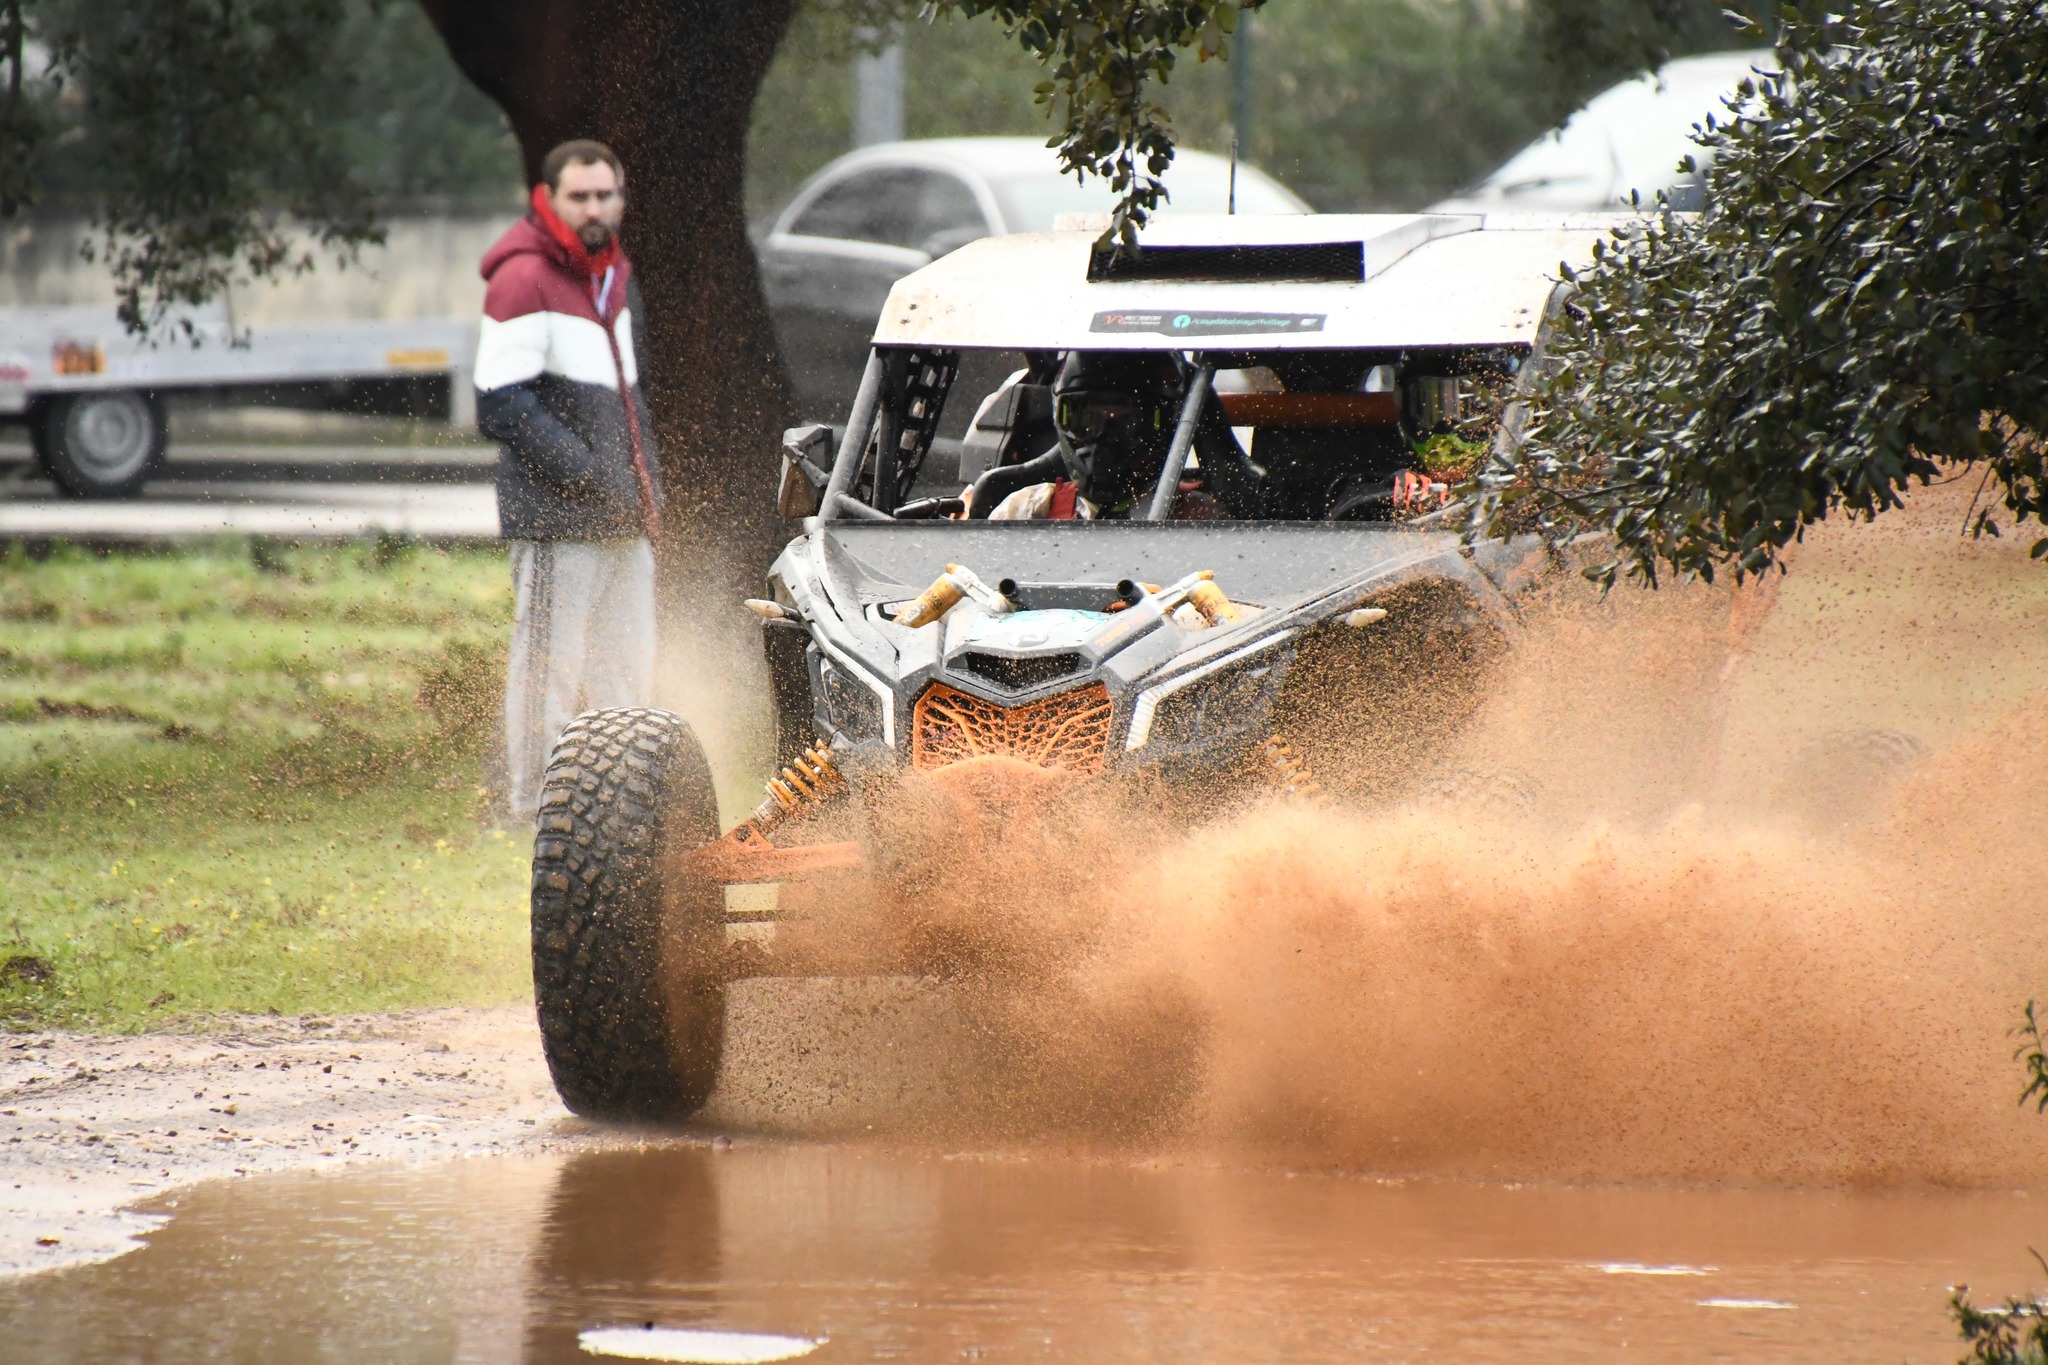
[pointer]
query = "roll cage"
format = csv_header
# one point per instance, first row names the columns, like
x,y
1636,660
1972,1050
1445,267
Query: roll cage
x,y
1337,423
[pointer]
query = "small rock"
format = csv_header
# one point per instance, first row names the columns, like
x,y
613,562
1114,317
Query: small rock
x,y
162,999
46,1241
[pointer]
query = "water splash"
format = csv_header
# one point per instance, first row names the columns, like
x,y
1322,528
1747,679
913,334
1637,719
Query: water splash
x,y
1652,960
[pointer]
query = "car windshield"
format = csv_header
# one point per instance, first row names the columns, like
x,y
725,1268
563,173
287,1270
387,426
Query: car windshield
x,y
1031,202
1305,435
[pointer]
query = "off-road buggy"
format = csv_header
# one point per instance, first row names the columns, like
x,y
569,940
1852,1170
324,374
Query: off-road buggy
x,y
1241,406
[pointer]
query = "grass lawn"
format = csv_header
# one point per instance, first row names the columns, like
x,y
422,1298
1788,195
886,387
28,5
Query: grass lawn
x,y
243,777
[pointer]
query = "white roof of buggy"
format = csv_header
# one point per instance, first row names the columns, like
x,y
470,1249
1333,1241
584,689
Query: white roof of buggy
x,y
1430,280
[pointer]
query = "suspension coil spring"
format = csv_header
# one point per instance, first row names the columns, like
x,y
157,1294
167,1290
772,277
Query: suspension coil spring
x,y
1289,772
807,782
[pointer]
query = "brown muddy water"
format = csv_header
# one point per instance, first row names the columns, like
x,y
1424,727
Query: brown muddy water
x,y
890,1255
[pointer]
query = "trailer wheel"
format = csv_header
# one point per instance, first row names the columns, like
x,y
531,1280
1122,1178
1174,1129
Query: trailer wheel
x,y
628,956
101,445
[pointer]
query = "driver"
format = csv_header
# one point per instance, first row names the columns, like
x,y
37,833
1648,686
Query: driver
x,y
1114,414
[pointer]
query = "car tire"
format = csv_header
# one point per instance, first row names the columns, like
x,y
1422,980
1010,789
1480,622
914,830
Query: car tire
x,y
628,956
103,444
1503,792
1839,778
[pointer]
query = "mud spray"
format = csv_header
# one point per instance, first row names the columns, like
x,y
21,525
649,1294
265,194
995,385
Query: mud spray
x,y
1746,895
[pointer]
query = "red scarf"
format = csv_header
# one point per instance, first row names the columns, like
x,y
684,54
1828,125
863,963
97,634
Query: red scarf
x,y
593,264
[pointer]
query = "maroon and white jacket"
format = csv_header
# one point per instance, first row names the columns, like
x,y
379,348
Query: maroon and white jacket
x,y
557,386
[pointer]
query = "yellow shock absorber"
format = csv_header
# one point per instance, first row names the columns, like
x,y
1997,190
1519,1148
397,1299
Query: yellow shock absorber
x,y
941,597
1290,773
1216,608
798,789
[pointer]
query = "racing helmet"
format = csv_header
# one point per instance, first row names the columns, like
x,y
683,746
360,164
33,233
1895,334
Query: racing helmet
x,y
1115,412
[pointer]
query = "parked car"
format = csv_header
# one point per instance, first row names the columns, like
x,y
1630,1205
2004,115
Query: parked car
x,y
831,255
1627,140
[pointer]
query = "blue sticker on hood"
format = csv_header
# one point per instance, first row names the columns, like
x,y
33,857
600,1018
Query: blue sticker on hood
x,y
1054,628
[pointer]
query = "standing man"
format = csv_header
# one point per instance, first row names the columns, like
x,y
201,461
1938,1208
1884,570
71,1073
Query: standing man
x,y
579,487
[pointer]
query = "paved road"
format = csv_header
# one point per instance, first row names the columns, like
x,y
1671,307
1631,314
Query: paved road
x,y
297,491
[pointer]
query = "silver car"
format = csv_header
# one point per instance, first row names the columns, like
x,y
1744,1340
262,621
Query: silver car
x,y
872,216
1627,141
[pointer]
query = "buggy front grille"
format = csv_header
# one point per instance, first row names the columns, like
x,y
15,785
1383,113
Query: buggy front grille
x,y
1069,731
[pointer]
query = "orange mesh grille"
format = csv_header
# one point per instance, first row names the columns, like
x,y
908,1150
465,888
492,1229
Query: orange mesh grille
x,y
1068,731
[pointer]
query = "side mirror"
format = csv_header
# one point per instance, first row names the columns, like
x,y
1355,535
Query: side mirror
x,y
806,469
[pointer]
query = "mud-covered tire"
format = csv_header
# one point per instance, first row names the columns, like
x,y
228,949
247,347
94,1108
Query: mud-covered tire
x,y
628,960
1500,792
1838,778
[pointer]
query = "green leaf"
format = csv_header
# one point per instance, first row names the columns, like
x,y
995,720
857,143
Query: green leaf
x,y
1110,55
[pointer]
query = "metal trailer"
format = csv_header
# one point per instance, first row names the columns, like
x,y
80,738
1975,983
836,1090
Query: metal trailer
x,y
92,393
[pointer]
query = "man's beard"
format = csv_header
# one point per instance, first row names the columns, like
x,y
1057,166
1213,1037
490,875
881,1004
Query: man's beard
x,y
593,236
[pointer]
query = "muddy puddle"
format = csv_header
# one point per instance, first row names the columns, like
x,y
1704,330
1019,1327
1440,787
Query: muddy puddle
x,y
889,1255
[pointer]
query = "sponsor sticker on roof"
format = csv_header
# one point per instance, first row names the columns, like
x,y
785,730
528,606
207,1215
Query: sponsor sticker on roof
x,y
1200,323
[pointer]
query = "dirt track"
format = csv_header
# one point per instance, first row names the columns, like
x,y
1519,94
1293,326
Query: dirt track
x,y
90,1123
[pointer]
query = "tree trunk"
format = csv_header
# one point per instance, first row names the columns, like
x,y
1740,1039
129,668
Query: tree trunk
x,y
670,86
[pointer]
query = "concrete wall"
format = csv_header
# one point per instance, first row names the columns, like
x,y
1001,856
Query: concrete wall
x,y
427,268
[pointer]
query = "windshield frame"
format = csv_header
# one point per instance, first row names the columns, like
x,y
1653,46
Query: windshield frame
x,y
922,379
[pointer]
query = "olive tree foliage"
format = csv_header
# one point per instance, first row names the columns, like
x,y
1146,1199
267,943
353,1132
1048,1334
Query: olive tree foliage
x,y
215,150
203,147
21,123
1104,61
1861,307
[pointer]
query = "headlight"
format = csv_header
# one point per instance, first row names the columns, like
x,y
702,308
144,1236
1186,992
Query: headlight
x,y
1217,697
1215,705
850,704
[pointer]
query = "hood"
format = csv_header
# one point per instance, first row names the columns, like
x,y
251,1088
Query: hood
x,y
524,238
1164,688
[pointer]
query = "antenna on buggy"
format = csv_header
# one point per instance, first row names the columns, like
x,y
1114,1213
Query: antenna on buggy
x,y
1233,175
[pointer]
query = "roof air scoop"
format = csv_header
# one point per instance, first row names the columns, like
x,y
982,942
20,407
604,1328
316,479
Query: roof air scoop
x,y
1337,262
